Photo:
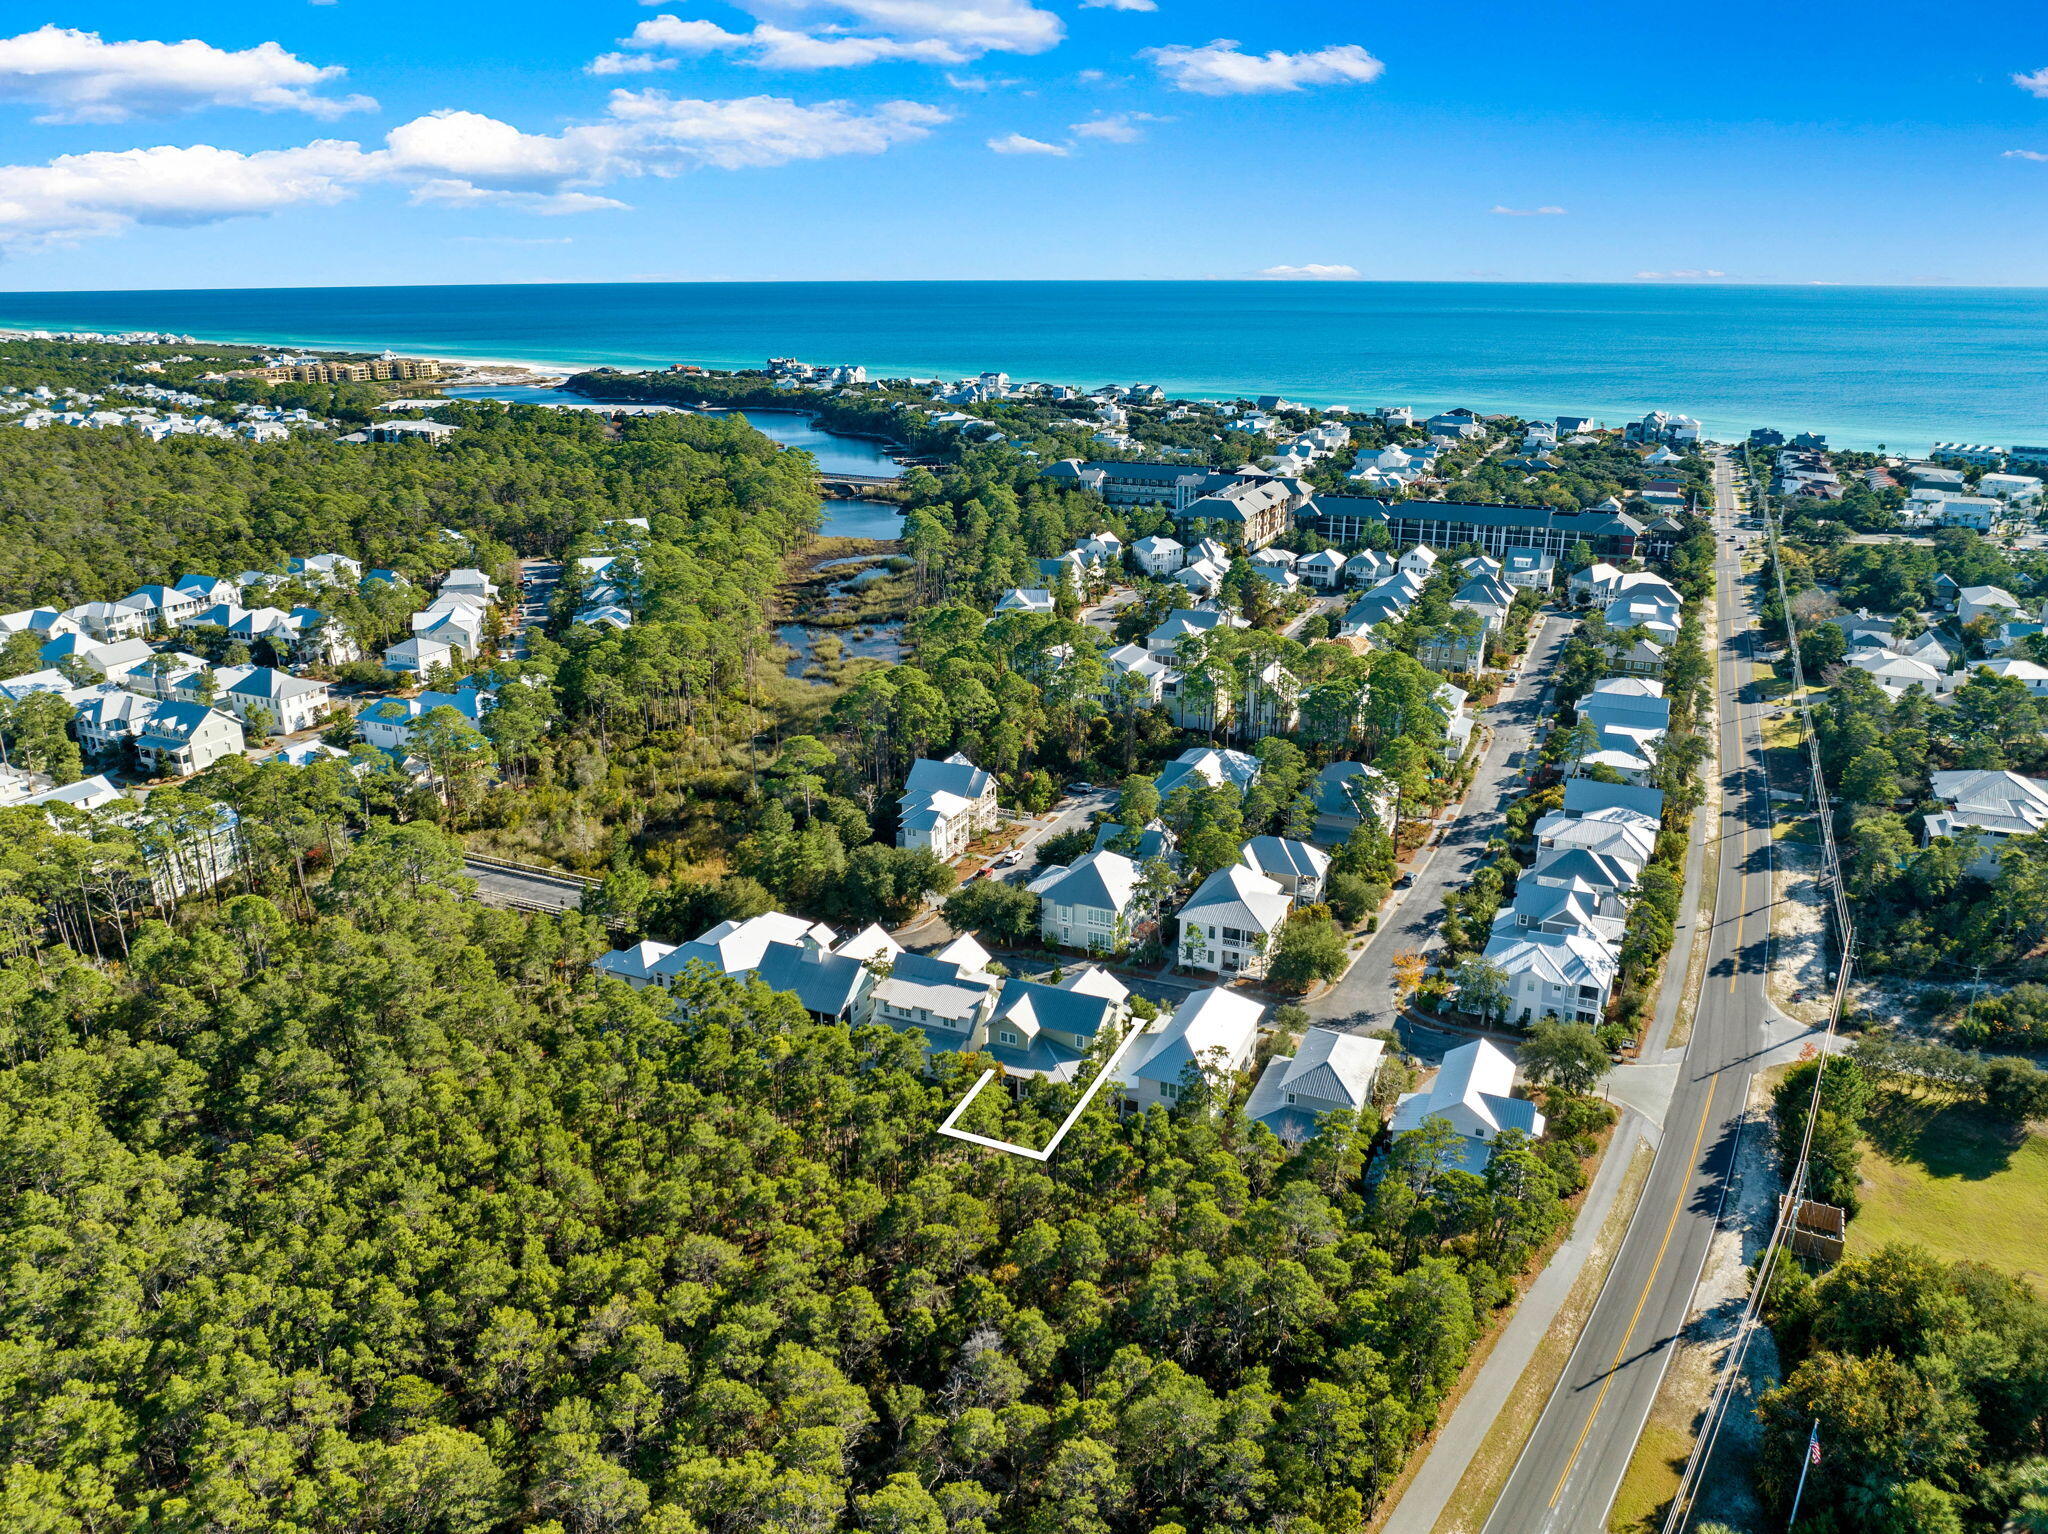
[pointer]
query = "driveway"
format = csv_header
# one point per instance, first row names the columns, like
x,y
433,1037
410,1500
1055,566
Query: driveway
x,y
1364,999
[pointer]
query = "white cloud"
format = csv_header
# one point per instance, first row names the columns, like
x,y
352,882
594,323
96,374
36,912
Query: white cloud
x,y
1119,5
1017,143
768,47
1684,274
1218,69
82,77
2035,84
1546,211
1313,272
1118,128
2024,154
854,33
449,158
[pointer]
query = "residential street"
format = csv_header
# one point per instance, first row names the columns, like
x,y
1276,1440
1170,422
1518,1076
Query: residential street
x,y
1573,1464
1364,998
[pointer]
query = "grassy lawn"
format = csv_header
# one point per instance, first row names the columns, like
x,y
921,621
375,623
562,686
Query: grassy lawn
x,y
1955,1180
1652,1479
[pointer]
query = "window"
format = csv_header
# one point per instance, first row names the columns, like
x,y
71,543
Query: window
x,y
1097,917
1170,1090
1589,993
1006,1036
1232,935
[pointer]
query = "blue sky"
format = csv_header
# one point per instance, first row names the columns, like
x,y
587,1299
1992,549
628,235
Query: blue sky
x,y
368,141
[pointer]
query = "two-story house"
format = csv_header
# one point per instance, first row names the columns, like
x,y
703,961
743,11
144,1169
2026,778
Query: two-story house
x,y
183,738
1230,925
945,805
1331,1072
1095,903
1211,1036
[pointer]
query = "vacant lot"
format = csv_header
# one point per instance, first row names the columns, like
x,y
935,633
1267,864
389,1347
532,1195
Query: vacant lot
x,y
1957,1181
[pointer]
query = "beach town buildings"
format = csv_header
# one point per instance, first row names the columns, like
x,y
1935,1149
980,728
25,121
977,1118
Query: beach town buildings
x,y
1210,1037
1331,1072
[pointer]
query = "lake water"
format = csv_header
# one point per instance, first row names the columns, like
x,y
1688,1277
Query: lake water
x,y
860,519
836,454
882,643
1903,366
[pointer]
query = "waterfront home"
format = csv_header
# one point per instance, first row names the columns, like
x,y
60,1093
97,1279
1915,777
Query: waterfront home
x,y
184,738
1094,903
294,703
1230,924
1474,1094
1211,1036
1159,556
1331,1072
1025,599
1985,810
945,805
1298,868
1208,766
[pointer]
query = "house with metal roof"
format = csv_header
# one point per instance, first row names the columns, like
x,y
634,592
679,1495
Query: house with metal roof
x,y
1094,903
1208,766
1554,974
1212,1035
1474,1093
1045,1030
1230,924
945,805
1298,868
182,738
294,703
1343,794
1330,1072
1986,809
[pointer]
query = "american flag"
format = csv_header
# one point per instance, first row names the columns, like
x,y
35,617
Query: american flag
x,y
1813,1445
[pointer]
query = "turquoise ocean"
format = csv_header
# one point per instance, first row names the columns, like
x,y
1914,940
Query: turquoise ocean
x,y
1905,367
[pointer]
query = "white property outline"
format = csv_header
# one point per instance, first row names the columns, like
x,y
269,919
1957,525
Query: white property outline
x,y
1059,1134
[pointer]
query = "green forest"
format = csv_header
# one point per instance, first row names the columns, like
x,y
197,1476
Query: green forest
x,y
357,1205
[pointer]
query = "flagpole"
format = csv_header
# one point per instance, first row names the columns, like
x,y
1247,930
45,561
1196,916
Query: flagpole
x,y
1806,1464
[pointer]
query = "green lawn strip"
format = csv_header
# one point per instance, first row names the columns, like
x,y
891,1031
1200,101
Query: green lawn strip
x,y
1651,1480
1957,1181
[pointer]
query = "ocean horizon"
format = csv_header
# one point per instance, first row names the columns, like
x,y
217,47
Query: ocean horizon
x,y
1902,367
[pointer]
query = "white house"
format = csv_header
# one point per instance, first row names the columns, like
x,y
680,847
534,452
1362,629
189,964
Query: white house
x,y
182,738
1230,925
294,703
1025,599
1159,556
1298,868
419,654
1599,582
2025,671
1973,602
1420,560
1323,570
1210,767
388,725
1331,1072
1093,903
1558,974
1473,1093
1986,808
945,805
1187,623
1528,569
2019,489
1211,1034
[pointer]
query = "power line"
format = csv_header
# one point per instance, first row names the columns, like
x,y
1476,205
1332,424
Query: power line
x,y
1682,1501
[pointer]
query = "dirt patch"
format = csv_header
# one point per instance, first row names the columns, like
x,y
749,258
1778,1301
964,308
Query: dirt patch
x,y
1801,980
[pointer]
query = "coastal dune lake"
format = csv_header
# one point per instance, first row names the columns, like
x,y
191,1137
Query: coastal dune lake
x,y
1901,366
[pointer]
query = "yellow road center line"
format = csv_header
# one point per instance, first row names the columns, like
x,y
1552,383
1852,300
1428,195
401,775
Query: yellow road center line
x,y
1677,1208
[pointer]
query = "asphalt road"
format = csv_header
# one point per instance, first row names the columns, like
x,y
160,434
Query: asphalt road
x,y
523,890
1572,1466
1364,998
